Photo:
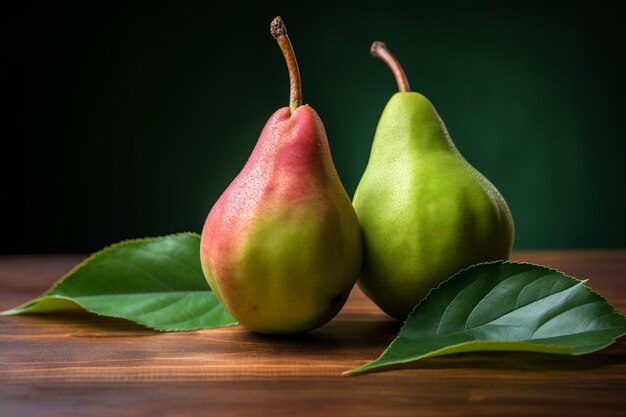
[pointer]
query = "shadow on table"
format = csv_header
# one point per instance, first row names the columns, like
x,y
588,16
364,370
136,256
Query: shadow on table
x,y
338,335
521,361
369,336
91,324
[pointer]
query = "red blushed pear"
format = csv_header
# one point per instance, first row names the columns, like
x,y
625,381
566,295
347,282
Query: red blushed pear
x,y
281,247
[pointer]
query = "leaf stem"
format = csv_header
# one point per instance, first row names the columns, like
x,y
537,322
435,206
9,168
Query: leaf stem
x,y
279,32
379,50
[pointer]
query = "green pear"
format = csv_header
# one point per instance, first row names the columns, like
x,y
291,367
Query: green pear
x,y
281,247
425,212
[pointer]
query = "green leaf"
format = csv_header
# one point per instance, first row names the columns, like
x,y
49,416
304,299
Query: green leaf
x,y
157,282
503,306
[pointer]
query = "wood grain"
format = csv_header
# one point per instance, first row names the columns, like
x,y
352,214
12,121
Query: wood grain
x,y
84,365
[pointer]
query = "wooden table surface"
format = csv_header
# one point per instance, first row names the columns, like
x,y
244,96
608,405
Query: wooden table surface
x,y
83,365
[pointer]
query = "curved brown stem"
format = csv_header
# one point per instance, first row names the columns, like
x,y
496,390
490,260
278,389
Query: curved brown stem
x,y
279,32
379,50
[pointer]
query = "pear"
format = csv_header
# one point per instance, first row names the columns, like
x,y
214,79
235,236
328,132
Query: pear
x,y
281,248
425,212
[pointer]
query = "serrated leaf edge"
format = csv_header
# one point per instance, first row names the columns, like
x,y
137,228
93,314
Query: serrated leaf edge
x,y
90,258
355,371
365,368
117,245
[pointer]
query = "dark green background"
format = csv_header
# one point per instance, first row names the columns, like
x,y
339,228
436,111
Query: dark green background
x,y
131,117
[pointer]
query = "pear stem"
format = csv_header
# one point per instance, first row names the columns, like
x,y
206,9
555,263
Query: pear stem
x,y
279,32
379,50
